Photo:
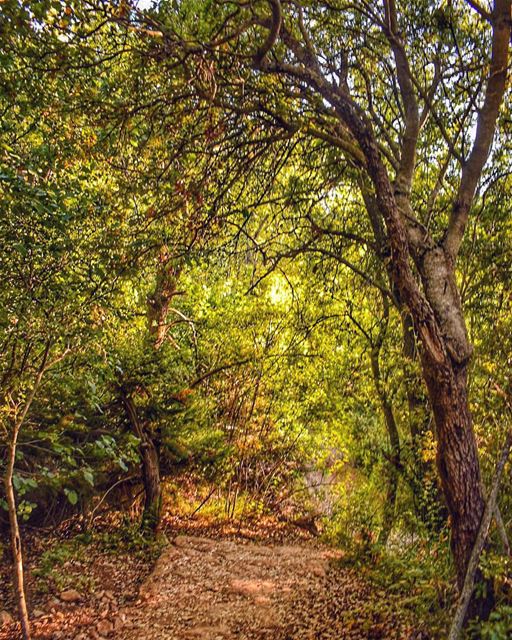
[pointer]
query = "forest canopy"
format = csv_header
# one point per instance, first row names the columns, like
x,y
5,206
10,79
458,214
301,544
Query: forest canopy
x,y
256,266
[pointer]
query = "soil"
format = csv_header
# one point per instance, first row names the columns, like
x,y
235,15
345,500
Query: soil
x,y
218,583
221,590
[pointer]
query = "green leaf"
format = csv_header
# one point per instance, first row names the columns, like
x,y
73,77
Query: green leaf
x,y
71,495
88,477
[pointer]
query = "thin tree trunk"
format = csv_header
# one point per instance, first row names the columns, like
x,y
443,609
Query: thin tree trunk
x,y
393,474
17,554
502,530
150,468
391,427
394,441
15,537
152,485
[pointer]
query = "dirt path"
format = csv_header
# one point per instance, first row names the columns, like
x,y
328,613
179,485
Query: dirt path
x,y
208,589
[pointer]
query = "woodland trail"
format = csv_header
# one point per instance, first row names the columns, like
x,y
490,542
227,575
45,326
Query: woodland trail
x,y
208,589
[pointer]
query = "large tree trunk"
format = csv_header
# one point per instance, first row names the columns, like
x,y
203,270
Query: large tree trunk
x,y
459,469
445,353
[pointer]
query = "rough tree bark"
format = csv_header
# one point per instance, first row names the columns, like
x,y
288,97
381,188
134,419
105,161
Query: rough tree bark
x,y
159,302
152,485
461,613
150,467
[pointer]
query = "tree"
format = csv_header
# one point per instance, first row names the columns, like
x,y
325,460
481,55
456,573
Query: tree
x,y
322,70
56,243
256,116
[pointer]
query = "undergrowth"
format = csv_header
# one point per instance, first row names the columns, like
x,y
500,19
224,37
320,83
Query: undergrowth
x,y
52,569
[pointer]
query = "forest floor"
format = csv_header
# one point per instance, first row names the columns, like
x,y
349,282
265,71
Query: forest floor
x,y
208,589
262,581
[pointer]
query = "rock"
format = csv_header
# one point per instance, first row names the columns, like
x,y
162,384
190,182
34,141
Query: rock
x,y
207,632
181,541
119,621
193,543
318,569
70,595
5,618
104,627
252,587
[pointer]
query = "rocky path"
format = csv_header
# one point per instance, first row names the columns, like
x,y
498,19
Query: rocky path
x,y
208,589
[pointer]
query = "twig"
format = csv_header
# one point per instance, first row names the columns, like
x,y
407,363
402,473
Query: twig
x,y
502,530
91,516
203,502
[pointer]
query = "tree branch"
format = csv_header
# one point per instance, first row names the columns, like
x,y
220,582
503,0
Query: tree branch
x,y
273,34
485,128
480,10
412,119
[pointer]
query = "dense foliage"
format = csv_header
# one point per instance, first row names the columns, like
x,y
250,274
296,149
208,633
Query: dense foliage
x,y
202,273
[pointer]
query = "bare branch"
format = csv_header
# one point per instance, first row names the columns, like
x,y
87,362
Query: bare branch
x,y
474,4
485,128
273,33
412,119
